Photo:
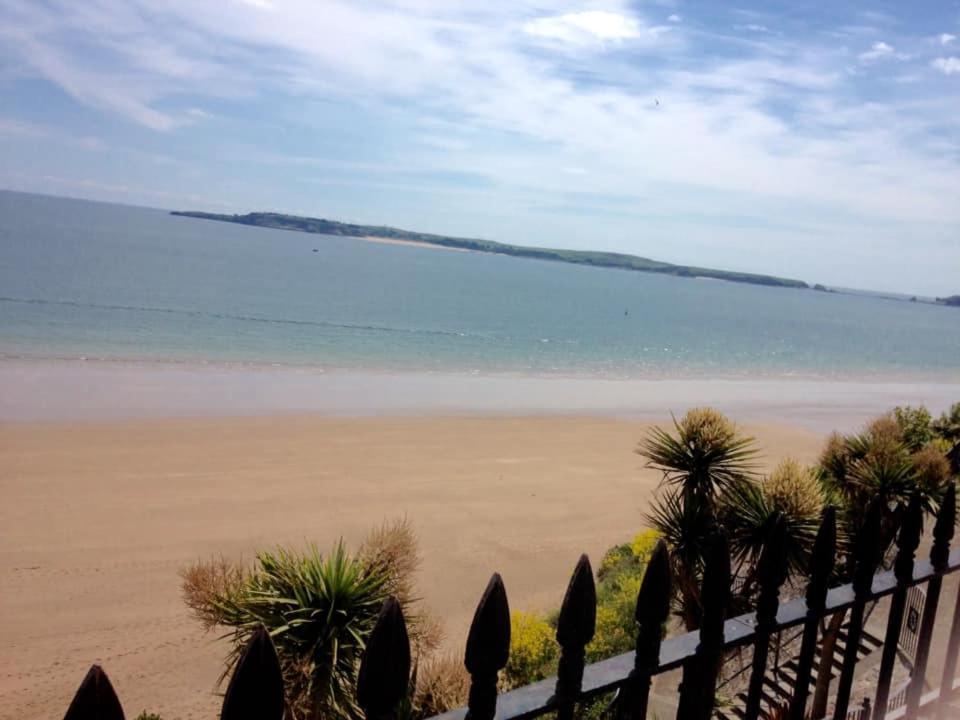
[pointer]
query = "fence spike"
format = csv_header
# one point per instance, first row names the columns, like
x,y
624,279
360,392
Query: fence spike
x,y
384,677
652,610
772,570
95,699
488,648
575,628
908,539
699,682
822,561
866,558
943,529
255,691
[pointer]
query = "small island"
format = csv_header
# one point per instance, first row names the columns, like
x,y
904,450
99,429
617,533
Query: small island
x,y
951,300
622,261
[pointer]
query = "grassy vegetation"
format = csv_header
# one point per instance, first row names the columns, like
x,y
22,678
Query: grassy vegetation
x,y
578,257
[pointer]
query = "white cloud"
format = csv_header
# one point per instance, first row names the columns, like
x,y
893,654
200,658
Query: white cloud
x,y
585,27
753,27
882,51
877,51
777,127
946,38
947,65
199,113
674,19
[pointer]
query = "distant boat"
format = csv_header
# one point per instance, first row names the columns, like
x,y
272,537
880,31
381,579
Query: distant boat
x,y
316,250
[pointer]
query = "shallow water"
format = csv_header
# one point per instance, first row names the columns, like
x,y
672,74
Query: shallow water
x,y
80,279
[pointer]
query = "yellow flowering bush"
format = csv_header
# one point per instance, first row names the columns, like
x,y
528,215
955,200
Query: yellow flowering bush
x,y
533,649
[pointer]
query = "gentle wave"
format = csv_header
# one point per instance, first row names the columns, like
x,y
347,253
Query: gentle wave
x,y
241,318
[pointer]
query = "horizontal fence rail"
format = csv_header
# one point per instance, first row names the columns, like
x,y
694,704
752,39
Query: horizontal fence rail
x,y
255,691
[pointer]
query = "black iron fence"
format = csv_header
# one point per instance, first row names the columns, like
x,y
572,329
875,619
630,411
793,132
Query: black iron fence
x,y
255,691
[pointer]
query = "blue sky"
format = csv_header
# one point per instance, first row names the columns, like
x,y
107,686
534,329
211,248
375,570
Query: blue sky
x,y
808,139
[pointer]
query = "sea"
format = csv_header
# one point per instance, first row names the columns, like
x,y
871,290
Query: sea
x,y
86,280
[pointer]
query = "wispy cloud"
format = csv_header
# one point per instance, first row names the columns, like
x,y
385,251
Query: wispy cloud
x,y
540,98
946,38
947,65
882,51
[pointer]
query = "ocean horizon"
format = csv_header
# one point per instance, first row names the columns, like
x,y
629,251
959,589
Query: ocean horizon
x,y
86,280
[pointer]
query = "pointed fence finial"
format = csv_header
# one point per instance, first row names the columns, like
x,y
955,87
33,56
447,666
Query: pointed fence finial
x,y
698,687
908,539
575,628
255,691
384,677
772,570
653,607
488,648
866,550
822,560
943,529
95,699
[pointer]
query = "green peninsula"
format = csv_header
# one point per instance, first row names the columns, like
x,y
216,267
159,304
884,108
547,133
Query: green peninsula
x,y
578,257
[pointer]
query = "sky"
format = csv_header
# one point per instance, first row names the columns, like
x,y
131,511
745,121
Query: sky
x,y
806,139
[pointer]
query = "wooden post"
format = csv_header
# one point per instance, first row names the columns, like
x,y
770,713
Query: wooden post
x,y
255,691
384,678
575,628
907,541
700,672
95,699
866,558
822,562
772,570
488,648
653,607
939,556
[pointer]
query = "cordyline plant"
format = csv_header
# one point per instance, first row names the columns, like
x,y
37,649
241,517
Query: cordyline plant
x,y
319,609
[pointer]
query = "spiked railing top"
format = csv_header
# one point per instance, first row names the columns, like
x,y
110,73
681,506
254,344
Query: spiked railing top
x,y
95,699
488,643
943,528
822,561
772,569
653,606
578,614
715,594
866,552
908,538
255,691
384,677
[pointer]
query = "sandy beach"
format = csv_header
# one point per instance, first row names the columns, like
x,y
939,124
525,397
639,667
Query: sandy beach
x,y
99,517
115,476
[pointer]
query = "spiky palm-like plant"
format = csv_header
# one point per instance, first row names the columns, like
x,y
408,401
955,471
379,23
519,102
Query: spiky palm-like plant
x,y
318,608
700,460
319,611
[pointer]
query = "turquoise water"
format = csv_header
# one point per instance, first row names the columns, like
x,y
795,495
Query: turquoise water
x,y
80,279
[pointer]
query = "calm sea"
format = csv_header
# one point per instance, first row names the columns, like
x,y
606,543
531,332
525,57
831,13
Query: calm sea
x,y
81,279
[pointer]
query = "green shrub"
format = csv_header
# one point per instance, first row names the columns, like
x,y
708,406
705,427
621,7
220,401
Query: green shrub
x,y
916,425
533,649
319,610
148,716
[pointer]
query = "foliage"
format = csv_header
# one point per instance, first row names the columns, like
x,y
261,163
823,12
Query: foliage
x,y
704,458
319,610
706,454
148,716
442,684
915,426
533,649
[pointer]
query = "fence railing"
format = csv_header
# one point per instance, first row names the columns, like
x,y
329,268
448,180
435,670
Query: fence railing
x,y
255,691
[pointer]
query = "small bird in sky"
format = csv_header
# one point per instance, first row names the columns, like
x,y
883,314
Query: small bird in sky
x,y
656,102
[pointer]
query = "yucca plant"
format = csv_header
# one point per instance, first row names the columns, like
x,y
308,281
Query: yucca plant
x,y
319,610
705,454
703,458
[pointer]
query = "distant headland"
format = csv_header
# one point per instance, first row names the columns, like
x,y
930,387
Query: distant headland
x,y
578,257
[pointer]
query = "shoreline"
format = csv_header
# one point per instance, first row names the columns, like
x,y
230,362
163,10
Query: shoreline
x,y
85,391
